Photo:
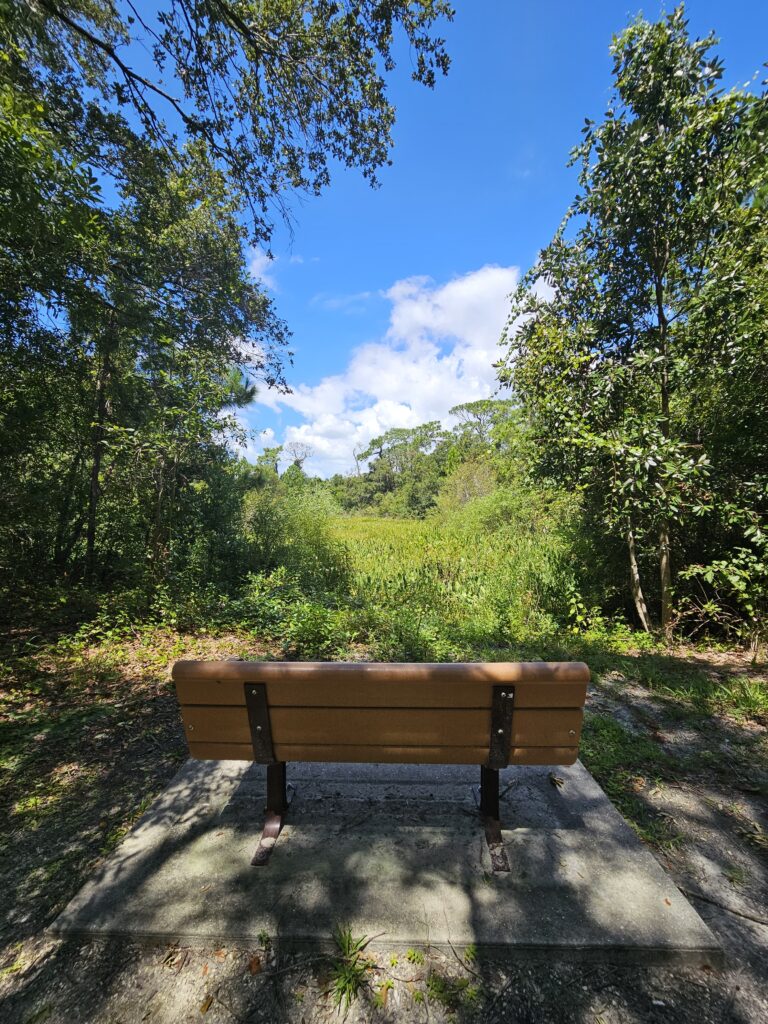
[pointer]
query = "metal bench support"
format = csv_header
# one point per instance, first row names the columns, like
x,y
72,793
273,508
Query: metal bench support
x,y
502,705
489,792
263,752
489,809
278,800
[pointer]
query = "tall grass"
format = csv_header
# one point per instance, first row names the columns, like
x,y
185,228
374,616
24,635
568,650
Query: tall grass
x,y
491,573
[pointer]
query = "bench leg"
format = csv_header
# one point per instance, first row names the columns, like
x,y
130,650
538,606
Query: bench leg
x,y
277,798
277,805
489,808
489,792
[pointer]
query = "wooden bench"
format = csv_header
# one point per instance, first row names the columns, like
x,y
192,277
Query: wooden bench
x,y
492,714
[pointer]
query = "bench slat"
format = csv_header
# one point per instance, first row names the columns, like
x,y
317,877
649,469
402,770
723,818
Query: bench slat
x,y
385,754
315,671
403,727
370,691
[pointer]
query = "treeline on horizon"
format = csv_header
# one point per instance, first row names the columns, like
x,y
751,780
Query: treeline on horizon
x,y
623,477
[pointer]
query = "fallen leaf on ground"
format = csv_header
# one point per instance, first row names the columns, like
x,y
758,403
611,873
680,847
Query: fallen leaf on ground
x,y
254,965
206,1004
556,781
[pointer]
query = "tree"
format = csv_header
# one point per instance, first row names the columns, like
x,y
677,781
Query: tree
x,y
274,92
270,458
127,333
478,430
299,452
130,327
407,464
604,340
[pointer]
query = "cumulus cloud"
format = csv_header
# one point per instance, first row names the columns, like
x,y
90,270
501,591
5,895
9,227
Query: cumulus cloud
x,y
437,352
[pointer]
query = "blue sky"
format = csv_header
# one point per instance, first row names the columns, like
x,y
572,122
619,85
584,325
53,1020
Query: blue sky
x,y
397,297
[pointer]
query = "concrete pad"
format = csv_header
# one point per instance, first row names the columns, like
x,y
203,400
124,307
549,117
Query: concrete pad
x,y
396,852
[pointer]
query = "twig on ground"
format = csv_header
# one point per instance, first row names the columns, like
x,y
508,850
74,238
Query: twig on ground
x,y
323,958
463,964
492,1005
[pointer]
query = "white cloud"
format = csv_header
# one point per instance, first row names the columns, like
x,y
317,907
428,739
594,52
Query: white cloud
x,y
260,269
352,303
437,352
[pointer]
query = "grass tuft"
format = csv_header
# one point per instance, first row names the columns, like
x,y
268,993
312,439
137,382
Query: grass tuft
x,y
349,969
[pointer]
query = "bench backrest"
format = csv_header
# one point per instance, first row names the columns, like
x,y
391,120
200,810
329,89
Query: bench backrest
x,y
401,713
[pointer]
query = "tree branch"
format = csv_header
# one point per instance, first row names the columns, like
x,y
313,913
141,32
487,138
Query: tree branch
x,y
130,75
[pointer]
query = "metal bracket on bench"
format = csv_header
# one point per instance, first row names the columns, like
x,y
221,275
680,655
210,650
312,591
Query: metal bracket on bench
x,y
264,753
258,717
279,796
502,705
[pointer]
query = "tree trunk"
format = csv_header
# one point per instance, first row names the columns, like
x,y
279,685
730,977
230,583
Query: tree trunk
x,y
61,548
637,590
97,449
665,564
665,561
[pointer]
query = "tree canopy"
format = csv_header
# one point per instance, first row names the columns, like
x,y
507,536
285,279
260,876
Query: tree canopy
x,y
643,316
140,156
274,93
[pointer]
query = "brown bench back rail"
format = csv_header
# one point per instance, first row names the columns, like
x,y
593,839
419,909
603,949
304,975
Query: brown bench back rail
x,y
491,713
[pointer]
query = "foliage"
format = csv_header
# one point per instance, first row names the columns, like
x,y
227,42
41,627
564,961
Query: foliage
x,y
349,969
131,330
288,525
450,992
446,587
409,468
733,594
619,344
132,333
273,92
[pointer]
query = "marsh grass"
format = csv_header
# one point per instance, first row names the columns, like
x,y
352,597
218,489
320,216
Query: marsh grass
x,y
441,590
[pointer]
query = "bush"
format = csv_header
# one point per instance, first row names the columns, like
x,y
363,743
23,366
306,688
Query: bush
x,y
291,527
313,631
